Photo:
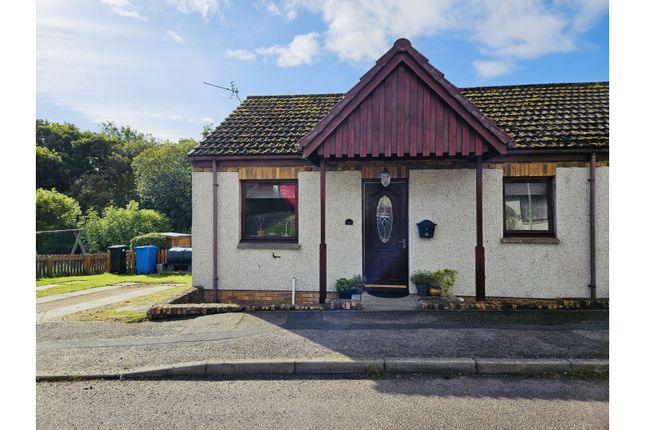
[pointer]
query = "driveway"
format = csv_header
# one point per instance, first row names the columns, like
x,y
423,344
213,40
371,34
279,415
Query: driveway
x,y
54,307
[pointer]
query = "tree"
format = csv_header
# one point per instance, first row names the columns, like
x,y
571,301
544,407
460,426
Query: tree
x,y
94,168
118,226
55,211
163,181
50,171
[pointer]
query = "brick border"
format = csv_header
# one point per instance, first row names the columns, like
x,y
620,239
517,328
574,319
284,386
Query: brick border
x,y
183,310
516,304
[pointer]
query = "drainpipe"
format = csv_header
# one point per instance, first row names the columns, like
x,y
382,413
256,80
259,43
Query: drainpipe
x,y
215,277
293,291
592,225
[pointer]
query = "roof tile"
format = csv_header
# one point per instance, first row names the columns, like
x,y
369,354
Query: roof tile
x,y
539,116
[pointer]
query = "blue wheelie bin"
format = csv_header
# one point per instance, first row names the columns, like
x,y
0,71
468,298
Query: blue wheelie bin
x,y
146,257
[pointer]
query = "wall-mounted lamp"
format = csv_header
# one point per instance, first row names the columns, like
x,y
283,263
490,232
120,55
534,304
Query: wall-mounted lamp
x,y
385,177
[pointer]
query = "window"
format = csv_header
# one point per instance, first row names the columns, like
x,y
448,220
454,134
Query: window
x,y
269,211
528,207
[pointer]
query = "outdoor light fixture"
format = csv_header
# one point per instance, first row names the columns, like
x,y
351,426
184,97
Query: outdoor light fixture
x,y
385,177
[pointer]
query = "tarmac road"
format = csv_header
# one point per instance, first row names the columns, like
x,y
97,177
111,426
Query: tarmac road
x,y
404,402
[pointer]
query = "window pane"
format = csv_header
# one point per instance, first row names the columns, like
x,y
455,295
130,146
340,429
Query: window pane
x,y
270,210
527,206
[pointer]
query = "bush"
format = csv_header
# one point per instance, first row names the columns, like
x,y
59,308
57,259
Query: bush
x,y
444,279
118,226
421,277
55,211
343,285
156,239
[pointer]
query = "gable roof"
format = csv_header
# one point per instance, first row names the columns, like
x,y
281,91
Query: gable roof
x,y
406,68
538,116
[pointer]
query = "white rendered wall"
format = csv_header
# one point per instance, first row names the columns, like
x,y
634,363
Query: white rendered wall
x,y
444,196
202,230
547,270
258,269
447,198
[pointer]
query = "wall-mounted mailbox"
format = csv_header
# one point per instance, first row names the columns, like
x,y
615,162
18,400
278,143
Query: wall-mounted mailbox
x,y
426,229
349,221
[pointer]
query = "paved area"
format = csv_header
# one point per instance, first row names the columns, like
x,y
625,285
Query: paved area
x,y
54,307
406,402
89,347
375,304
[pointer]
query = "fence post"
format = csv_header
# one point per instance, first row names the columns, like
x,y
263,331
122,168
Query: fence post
x,y
87,264
49,263
107,262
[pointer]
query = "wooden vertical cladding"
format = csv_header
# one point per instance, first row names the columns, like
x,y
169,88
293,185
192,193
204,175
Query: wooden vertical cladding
x,y
403,116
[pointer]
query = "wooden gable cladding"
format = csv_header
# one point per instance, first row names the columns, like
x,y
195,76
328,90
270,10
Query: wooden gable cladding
x,y
402,117
262,172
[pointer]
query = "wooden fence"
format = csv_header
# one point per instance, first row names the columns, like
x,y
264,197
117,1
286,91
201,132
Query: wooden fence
x,y
48,266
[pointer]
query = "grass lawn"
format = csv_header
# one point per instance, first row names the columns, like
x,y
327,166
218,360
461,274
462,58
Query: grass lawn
x,y
93,281
111,312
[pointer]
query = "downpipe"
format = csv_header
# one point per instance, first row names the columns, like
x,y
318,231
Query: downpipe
x,y
293,291
592,226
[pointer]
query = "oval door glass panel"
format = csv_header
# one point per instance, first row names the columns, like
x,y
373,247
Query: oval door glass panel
x,y
384,218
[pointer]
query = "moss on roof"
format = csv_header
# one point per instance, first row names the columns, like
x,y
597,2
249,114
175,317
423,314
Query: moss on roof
x,y
539,116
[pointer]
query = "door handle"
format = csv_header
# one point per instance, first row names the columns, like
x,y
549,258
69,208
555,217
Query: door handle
x,y
402,242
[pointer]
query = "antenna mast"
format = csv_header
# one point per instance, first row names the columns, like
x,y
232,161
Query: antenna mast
x,y
232,89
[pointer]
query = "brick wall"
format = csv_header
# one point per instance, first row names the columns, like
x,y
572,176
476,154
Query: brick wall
x,y
251,297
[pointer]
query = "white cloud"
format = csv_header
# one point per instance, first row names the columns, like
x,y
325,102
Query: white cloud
x,y
492,68
124,8
202,7
301,50
241,54
289,13
503,31
174,36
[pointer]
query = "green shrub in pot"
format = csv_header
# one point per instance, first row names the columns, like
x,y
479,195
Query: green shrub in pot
x,y
344,287
421,279
444,279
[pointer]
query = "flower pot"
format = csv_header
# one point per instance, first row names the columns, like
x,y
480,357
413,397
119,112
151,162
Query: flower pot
x,y
260,233
435,292
422,290
345,295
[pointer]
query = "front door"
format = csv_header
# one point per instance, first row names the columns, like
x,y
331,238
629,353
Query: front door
x,y
385,234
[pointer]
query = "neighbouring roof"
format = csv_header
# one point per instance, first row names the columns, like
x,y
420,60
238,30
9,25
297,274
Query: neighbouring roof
x,y
539,116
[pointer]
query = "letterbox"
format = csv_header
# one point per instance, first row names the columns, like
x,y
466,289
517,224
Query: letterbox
x,y
426,229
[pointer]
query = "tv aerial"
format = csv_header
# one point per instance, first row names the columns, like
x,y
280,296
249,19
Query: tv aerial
x,y
231,89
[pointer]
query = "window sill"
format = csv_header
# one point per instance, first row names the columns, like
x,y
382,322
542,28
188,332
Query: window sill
x,y
268,245
535,240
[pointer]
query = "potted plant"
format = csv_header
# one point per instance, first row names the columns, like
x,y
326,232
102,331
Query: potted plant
x,y
344,287
442,282
421,279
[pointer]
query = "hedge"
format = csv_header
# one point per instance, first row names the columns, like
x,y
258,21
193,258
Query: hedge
x,y
156,239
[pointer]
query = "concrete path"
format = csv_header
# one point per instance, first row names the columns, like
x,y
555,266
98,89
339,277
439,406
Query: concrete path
x,y
336,335
373,304
57,308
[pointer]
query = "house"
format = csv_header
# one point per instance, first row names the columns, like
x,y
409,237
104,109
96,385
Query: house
x,y
316,187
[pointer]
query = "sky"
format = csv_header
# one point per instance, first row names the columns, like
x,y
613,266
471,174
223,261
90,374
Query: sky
x,y
142,63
